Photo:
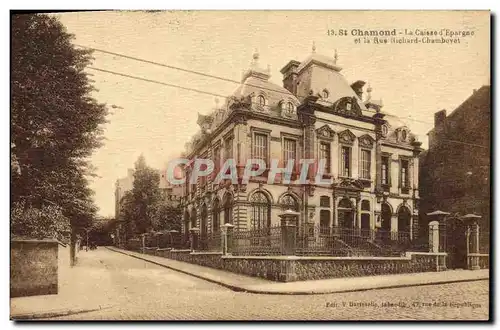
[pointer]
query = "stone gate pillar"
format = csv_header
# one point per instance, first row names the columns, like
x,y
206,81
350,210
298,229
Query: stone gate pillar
x,y
289,220
473,240
227,238
434,236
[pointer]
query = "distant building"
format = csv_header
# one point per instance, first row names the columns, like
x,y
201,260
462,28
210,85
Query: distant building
x,y
455,171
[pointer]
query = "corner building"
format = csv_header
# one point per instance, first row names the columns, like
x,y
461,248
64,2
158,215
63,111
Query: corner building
x,y
371,158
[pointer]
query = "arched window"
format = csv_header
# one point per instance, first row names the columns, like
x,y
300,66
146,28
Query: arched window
x,y
193,218
289,108
216,216
404,220
228,208
204,218
325,94
261,211
288,202
345,213
261,100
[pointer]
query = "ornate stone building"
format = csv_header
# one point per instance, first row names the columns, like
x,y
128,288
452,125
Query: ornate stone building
x,y
371,158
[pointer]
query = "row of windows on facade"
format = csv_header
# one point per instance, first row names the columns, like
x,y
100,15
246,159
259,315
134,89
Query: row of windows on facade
x,y
260,213
260,151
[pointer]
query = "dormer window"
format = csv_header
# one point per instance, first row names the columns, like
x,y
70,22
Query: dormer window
x,y
403,135
348,106
289,108
385,130
261,100
325,94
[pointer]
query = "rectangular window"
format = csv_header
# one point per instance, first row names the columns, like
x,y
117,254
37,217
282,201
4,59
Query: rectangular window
x,y
346,162
385,170
324,153
289,150
404,174
366,162
260,147
228,148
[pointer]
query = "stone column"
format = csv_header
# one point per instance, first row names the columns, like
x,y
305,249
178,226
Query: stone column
x,y
289,220
193,238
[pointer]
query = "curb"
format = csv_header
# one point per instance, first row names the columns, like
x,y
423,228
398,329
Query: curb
x,y
229,286
55,313
329,291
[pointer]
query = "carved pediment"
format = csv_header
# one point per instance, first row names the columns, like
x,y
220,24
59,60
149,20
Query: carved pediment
x,y
347,137
366,141
347,106
325,132
350,184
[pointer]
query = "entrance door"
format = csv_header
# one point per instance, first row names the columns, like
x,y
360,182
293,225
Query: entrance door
x,y
384,234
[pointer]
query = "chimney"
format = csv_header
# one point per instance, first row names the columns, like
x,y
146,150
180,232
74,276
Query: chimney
x,y
439,118
357,87
289,72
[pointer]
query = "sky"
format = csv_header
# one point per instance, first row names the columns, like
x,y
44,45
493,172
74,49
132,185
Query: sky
x,y
414,81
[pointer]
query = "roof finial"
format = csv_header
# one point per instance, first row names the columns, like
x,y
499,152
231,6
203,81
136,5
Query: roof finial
x,y
336,56
369,92
314,47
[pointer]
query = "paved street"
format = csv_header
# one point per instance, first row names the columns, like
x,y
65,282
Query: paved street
x,y
144,291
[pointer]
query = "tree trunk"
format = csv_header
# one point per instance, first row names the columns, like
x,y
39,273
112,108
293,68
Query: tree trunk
x,y
72,247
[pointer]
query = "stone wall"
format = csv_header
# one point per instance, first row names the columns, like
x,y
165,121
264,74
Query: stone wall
x,y
33,267
294,268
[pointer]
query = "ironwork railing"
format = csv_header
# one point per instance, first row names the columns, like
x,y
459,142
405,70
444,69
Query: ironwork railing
x,y
339,241
265,241
210,242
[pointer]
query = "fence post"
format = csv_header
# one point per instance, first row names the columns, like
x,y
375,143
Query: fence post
x,y
227,238
474,265
434,236
289,221
194,238
143,243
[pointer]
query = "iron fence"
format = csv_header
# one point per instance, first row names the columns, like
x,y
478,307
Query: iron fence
x,y
264,241
211,242
339,241
484,242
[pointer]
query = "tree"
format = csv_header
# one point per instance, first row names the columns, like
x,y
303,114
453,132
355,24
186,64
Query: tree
x,y
47,222
55,122
139,206
167,217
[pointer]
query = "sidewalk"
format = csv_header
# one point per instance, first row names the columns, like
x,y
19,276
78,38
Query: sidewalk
x,y
73,297
249,284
